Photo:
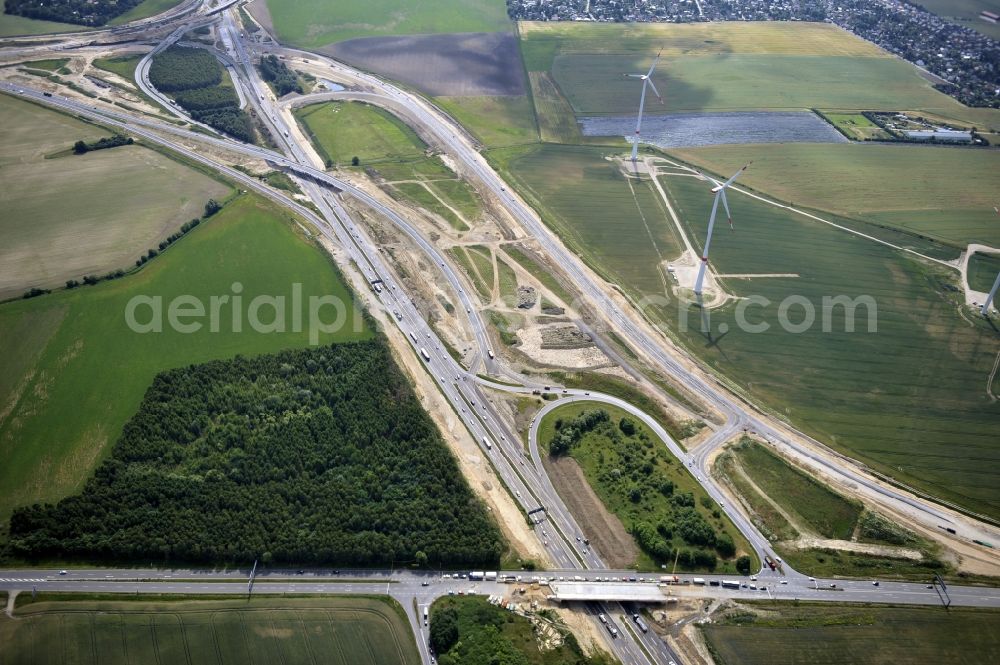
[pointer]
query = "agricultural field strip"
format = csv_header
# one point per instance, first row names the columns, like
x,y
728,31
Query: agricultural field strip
x,y
764,199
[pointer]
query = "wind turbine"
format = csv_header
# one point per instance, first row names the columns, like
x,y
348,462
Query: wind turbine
x,y
989,298
720,193
996,283
646,80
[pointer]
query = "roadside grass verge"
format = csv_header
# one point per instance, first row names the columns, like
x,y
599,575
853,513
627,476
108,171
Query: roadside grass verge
x,y
387,148
466,262
828,513
495,121
507,279
539,272
610,385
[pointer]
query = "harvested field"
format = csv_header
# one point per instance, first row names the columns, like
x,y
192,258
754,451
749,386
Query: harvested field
x,y
607,535
457,65
272,630
83,214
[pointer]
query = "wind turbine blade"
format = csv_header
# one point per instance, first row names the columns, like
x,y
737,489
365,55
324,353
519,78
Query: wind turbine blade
x,y
634,76
725,204
736,175
653,66
655,91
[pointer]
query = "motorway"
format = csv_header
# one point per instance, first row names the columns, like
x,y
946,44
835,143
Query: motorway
x,y
524,477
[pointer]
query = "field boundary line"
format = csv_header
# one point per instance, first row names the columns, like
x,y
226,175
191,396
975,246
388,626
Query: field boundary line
x,y
769,201
989,381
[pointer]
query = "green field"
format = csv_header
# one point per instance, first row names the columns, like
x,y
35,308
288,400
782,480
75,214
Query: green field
x,y
855,126
619,226
73,372
123,65
384,145
347,630
983,269
909,400
11,25
726,67
966,12
826,634
76,215
648,489
478,633
942,193
351,129
52,65
312,23
147,8
495,121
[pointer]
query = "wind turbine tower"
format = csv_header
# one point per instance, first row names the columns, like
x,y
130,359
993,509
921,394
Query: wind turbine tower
x,y
720,193
989,298
646,80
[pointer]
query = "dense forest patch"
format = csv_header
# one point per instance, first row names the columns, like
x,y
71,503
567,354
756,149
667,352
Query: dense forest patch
x,y
322,455
666,510
81,12
193,77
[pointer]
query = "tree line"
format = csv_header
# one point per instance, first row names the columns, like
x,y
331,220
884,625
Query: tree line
x,y
320,456
81,147
79,12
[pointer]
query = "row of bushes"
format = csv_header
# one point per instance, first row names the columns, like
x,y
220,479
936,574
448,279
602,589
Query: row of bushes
x,y
80,147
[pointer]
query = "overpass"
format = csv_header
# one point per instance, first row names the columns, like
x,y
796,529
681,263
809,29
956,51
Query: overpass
x,y
603,591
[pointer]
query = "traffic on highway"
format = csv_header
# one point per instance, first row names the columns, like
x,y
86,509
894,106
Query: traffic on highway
x,y
467,388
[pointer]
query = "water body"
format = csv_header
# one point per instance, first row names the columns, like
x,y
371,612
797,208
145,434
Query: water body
x,y
685,130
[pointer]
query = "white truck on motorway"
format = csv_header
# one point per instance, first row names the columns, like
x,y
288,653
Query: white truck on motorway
x,y
486,442
424,353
